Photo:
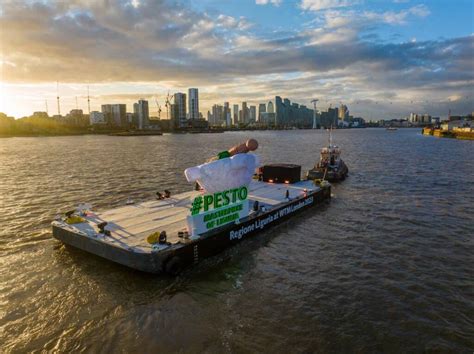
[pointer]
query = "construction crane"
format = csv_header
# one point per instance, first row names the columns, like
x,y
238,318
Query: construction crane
x,y
158,107
167,104
88,100
315,125
57,98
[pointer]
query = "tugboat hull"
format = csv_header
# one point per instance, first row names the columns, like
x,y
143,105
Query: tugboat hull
x,y
332,174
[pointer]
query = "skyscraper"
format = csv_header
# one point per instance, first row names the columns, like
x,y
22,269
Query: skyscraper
x,y
292,114
343,113
245,114
270,108
262,108
329,118
193,106
141,113
227,114
174,116
217,115
236,114
252,114
180,102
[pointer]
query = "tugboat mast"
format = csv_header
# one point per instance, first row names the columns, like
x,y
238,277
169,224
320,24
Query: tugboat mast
x,y
330,136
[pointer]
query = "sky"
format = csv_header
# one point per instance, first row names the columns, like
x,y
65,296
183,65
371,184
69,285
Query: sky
x,y
383,59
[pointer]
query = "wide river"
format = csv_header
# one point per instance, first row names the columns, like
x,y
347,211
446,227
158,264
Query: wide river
x,y
386,266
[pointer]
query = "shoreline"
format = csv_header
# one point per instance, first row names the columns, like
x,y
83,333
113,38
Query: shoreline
x,y
448,134
158,133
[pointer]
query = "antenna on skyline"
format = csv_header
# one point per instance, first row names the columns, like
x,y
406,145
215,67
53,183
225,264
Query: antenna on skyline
x,y
88,100
314,112
77,107
57,98
46,105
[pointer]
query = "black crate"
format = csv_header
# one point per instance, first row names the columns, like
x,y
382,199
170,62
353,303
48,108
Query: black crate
x,y
281,173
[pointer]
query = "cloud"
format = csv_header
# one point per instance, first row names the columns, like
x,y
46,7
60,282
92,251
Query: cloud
x,y
266,2
318,5
157,42
398,18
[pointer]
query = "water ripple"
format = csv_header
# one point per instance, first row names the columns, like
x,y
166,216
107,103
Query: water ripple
x,y
385,267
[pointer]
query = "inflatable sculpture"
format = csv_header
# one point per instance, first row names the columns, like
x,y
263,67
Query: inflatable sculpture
x,y
230,169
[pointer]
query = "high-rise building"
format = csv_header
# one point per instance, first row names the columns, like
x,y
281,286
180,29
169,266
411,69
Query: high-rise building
x,y
180,102
106,110
130,117
217,116
270,108
329,118
141,113
236,114
115,114
262,108
292,114
245,114
417,119
193,103
174,116
227,114
267,119
252,114
344,113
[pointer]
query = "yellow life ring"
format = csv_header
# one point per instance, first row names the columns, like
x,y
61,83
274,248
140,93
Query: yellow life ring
x,y
153,238
74,219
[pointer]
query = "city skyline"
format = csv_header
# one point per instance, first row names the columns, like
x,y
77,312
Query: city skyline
x,y
384,60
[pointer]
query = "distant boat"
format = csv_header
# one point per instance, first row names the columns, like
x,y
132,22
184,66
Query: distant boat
x,y
392,128
137,133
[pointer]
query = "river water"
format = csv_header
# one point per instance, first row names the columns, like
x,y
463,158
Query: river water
x,y
386,266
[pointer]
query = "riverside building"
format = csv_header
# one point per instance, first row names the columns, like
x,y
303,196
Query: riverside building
x,y
193,103
141,113
180,110
236,114
292,114
96,117
261,109
115,114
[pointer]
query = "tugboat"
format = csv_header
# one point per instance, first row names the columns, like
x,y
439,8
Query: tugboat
x,y
330,166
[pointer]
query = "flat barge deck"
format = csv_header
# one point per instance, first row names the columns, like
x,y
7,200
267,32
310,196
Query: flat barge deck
x,y
125,239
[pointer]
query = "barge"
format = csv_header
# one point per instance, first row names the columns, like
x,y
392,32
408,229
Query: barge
x,y
176,231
